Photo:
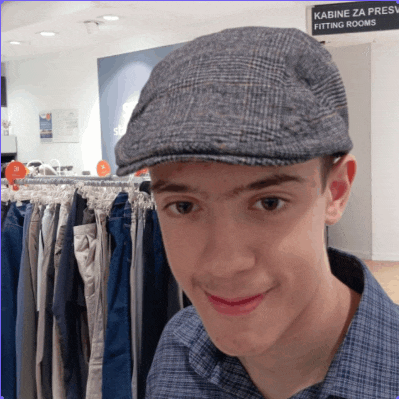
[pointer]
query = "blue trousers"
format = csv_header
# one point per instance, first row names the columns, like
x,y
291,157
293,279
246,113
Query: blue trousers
x,y
117,361
11,251
160,299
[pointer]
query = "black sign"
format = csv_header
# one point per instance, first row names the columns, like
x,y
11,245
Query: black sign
x,y
360,16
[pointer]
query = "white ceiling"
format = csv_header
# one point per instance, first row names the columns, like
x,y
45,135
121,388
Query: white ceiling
x,y
147,23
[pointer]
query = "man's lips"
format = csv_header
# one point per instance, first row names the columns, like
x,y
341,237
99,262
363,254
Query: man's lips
x,y
233,302
237,306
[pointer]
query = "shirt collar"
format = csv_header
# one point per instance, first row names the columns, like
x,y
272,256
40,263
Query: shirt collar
x,y
365,365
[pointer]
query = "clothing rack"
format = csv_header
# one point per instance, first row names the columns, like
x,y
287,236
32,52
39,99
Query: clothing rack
x,y
111,181
126,272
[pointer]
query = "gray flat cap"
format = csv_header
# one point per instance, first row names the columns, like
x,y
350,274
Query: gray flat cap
x,y
250,96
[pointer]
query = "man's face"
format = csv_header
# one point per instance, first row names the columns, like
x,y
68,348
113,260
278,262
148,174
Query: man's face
x,y
246,244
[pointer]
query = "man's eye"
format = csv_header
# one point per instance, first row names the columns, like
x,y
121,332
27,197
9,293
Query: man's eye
x,y
181,208
270,204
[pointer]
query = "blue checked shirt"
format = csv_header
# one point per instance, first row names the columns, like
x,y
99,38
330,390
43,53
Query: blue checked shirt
x,y
366,365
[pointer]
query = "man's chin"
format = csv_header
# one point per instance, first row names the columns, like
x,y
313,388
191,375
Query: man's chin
x,y
241,343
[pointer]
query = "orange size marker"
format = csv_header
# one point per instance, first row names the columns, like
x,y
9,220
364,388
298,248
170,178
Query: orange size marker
x,y
15,170
103,168
141,172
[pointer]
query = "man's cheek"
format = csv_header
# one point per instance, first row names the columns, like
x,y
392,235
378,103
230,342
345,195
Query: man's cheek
x,y
178,259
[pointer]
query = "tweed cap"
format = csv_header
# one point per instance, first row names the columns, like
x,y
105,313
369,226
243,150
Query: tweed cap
x,y
251,96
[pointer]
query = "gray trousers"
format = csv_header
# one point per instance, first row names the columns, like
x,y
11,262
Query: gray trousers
x,y
137,231
26,369
49,225
43,227
91,245
58,386
133,233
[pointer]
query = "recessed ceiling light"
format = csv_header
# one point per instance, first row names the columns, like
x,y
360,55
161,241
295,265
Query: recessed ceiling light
x,y
110,17
47,34
15,42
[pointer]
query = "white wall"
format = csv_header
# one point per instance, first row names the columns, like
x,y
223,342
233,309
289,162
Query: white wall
x,y
385,149
64,80
353,233
56,81
370,225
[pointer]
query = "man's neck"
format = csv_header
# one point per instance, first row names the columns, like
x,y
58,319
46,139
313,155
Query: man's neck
x,y
301,359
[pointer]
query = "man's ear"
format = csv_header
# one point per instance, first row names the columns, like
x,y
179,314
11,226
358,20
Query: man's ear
x,y
339,184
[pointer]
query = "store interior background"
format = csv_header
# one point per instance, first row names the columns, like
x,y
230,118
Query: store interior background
x,y
61,72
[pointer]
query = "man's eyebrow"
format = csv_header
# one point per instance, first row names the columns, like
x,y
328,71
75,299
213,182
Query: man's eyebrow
x,y
162,186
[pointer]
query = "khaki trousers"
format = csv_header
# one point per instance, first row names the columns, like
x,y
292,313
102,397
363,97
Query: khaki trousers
x,y
91,252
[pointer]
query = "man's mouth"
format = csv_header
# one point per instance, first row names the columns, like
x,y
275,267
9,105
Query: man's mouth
x,y
236,306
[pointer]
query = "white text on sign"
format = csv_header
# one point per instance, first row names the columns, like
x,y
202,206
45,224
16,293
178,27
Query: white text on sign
x,y
356,12
348,24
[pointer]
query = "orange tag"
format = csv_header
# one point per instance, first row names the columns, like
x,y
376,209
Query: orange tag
x,y
141,172
103,169
15,170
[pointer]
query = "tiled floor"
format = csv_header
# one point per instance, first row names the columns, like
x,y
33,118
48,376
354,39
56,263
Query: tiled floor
x,y
387,274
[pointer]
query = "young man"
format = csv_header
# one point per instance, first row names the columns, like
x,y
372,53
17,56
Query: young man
x,y
240,130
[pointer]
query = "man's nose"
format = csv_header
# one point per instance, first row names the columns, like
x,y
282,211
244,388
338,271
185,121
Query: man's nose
x,y
228,249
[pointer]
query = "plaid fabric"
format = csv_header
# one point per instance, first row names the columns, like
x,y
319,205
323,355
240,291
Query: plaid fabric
x,y
251,96
366,366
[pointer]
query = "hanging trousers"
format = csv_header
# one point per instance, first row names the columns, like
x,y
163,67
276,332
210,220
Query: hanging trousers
x,y
5,206
12,237
117,364
160,299
26,326
69,308
45,321
133,234
44,224
91,243
57,382
137,302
